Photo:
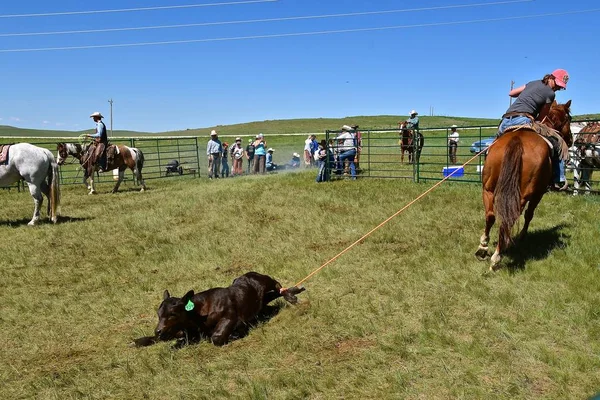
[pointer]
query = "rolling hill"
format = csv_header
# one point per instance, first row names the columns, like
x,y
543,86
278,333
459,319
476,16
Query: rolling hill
x,y
285,126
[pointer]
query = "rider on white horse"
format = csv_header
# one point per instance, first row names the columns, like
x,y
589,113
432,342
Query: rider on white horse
x,y
100,140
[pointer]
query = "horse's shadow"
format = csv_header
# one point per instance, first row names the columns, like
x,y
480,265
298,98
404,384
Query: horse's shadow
x,y
43,221
536,245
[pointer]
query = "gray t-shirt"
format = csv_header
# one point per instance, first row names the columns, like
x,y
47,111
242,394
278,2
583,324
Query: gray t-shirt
x,y
533,98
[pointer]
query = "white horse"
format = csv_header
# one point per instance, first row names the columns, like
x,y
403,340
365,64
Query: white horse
x,y
37,167
584,156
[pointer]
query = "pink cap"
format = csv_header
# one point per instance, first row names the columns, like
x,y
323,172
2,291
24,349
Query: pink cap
x,y
562,77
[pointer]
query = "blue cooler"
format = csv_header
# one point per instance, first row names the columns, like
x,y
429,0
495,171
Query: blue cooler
x,y
460,171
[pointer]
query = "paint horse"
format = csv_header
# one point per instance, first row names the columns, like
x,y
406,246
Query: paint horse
x,y
407,143
585,156
37,167
517,173
123,157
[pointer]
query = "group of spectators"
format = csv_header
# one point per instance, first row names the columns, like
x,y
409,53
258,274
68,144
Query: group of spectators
x,y
259,158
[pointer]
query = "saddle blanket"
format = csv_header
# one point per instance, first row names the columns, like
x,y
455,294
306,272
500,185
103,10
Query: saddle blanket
x,y
4,153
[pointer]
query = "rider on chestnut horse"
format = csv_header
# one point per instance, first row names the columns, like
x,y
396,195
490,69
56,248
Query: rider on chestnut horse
x,y
533,103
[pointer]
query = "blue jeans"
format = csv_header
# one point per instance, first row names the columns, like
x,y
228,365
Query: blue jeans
x,y
512,121
225,168
558,170
321,174
347,155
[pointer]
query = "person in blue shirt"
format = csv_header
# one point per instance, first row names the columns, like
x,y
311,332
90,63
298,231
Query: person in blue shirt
x,y
214,149
100,141
260,154
413,120
271,166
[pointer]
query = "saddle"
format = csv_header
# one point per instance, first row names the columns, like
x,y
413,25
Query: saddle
x,y
555,142
93,156
4,153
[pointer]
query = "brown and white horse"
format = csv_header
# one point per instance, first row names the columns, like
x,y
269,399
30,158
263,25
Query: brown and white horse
x,y
407,143
517,173
124,157
585,156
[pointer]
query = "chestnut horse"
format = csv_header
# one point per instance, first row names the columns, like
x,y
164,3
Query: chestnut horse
x,y
407,143
517,171
124,157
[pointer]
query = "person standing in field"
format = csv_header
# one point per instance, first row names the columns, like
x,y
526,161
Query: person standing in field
x,y
237,154
224,161
213,152
453,139
260,154
250,156
307,151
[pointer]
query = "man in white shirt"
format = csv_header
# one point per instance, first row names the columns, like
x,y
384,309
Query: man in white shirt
x,y
453,144
347,150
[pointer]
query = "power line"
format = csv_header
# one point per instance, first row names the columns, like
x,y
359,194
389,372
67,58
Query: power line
x,y
315,33
54,14
253,21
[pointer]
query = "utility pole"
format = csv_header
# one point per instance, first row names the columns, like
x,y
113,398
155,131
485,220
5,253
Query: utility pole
x,y
111,118
512,85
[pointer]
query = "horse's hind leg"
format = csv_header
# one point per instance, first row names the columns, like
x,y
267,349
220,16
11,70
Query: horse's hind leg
x,y
46,191
138,177
38,199
533,203
488,201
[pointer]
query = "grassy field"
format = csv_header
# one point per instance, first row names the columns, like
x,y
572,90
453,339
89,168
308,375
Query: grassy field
x,y
405,314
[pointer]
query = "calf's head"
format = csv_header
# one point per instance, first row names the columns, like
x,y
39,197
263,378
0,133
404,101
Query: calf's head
x,y
174,315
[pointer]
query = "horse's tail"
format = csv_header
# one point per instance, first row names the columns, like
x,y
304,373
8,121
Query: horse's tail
x,y
139,159
54,183
508,190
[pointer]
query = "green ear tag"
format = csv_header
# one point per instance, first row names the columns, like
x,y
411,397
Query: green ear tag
x,y
189,306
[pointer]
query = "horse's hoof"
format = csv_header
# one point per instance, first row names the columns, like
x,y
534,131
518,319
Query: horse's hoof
x,y
482,254
31,223
93,192
494,267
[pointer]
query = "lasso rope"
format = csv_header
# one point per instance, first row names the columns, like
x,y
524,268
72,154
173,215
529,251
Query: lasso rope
x,y
386,221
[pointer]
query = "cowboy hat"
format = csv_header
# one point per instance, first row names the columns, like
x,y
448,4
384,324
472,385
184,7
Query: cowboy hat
x,y
296,155
238,139
454,126
213,133
96,114
346,128
413,112
270,149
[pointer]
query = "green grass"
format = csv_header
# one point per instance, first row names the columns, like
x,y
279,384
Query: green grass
x,y
405,314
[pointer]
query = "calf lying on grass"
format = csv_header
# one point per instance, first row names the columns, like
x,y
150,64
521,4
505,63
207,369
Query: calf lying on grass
x,y
217,313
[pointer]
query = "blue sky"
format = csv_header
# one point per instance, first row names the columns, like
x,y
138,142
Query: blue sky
x,y
463,69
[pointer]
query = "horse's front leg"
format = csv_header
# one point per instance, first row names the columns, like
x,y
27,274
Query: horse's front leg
x,y
121,177
38,199
91,186
488,202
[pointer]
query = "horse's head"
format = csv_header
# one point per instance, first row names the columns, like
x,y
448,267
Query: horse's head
x,y
62,153
559,117
68,149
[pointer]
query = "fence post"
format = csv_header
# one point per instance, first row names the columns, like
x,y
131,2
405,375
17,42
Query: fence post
x,y
197,156
369,152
